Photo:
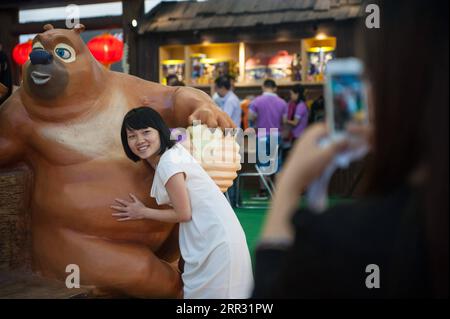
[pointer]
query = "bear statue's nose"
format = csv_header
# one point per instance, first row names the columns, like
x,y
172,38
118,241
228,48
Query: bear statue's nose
x,y
40,56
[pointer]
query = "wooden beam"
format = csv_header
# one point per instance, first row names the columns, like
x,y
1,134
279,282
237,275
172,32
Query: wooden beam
x,y
131,9
90,24
39,4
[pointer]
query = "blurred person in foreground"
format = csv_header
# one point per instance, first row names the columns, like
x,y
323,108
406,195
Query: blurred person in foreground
x,y
401,225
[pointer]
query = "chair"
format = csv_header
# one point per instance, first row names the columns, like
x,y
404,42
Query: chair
x,y
261,173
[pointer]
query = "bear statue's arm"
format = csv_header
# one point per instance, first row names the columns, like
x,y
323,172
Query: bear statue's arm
x,y
178,106
198,106
11,144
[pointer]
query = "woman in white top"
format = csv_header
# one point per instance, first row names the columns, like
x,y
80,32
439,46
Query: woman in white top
x,y
212,243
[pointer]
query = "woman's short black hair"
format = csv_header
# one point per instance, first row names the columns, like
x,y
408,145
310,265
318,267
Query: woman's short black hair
x,y
140,118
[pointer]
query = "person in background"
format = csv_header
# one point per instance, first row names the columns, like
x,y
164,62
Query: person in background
x,y
172,80
245,107
228,101
230,104
296,118
393,243
214,95
266,111
317,113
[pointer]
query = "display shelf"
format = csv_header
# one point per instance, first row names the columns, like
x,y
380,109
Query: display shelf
x,y
209,60
170,57
203,62
259,84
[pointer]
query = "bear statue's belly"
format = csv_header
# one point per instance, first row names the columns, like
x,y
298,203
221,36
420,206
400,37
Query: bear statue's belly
x,y
79,196
80,168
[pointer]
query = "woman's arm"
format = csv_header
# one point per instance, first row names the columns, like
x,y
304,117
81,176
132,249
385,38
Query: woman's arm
x,y
293,122
281,245
179,197
252,116
306,163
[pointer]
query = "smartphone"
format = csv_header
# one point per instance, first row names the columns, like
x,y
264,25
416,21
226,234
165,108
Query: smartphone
x,y
345,95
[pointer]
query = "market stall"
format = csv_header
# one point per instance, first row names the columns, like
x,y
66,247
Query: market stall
x,y
291,43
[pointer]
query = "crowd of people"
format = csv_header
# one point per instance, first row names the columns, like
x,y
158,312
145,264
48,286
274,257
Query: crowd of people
x,y
392,242
396,232
277,122
400,226
289,117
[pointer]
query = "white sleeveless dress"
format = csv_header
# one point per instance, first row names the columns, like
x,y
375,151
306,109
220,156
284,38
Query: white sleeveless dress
x,y
212,244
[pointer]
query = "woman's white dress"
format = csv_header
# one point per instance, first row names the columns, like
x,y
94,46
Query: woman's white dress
x,y
212,244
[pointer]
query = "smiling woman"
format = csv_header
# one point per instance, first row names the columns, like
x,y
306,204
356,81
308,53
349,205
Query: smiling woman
x,y
71,142
212,242
144,142
143,134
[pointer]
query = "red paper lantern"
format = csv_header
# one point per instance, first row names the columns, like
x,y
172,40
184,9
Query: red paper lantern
x,y
21,52
106,48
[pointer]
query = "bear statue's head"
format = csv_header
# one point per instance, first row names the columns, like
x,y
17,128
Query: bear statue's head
x,y
60,65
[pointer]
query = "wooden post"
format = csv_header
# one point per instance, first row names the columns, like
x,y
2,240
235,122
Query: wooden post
x,y
149,56
132,10
9,18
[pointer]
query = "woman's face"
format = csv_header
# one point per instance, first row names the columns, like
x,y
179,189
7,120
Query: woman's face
x,y
294,96
144,143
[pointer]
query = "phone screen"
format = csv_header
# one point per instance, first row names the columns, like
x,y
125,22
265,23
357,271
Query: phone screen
x,y
349,103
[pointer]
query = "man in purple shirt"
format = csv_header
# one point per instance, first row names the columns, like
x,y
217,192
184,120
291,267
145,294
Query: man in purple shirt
x,y
267,112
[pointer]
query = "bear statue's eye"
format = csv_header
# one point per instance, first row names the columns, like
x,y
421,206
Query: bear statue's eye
x,y
65,52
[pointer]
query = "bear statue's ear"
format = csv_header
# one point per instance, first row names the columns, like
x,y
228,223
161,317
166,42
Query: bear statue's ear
x,y
79,28
48,26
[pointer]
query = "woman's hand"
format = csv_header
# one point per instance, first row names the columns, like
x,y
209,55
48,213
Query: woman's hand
x,y
306,162
129,210
364,132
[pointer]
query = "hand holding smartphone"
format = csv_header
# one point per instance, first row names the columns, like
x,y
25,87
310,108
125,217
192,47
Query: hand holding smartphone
x,y
345,104
345,96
